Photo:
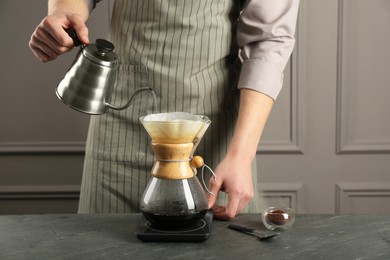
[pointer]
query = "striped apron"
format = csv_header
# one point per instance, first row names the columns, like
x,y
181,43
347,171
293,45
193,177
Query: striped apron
x,y
186,52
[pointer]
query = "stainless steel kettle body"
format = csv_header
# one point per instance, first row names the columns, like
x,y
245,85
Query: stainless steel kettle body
x,y
87,86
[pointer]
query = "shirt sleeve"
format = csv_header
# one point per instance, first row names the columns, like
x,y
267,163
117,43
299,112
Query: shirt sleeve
x,y
265,36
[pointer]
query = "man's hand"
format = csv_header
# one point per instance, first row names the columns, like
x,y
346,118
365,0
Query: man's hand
x,y
234,177
50,39
234,173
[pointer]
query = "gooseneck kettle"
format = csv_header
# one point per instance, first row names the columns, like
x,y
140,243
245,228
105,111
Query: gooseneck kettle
x,y
88,84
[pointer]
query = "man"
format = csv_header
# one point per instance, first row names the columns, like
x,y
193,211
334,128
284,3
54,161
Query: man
x,y
187,51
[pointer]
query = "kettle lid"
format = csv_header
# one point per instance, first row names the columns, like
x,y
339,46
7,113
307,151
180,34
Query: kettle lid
x,y
102,53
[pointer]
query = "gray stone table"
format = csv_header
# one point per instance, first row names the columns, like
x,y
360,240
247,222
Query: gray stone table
x,y
113,237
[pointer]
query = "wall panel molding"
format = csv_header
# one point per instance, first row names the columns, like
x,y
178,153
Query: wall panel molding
x,y
359,131
364,197
42,147
44,199
39,191
281,194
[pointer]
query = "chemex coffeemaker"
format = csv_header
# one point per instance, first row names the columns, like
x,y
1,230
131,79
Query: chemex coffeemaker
x,y
174,203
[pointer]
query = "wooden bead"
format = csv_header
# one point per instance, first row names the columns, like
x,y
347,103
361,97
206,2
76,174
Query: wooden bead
x,y
197,161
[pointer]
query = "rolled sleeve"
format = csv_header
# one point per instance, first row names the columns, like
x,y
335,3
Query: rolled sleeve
x,y
265,36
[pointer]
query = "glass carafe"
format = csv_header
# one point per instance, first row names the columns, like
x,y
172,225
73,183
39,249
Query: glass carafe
x,y
174,196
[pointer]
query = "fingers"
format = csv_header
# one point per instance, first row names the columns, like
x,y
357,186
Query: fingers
x,y
81,30
239,195
54,27
219,212
45,47
245,197
232,206
236,203
49,40
42,51
214,187
225,213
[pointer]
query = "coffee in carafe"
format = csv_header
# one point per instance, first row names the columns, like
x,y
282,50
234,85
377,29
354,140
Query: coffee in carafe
x,y
174,196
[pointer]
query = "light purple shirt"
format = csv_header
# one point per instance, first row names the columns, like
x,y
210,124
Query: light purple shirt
x,y
265,36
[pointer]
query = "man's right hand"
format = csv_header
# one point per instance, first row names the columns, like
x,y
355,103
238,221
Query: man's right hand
x,y
50,38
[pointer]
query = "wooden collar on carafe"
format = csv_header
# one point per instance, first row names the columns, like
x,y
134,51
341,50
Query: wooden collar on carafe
x,y
172,161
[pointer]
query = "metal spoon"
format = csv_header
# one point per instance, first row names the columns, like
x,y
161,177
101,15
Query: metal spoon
x,y
253,232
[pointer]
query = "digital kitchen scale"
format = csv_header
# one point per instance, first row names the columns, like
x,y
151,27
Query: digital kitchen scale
x,y
199,231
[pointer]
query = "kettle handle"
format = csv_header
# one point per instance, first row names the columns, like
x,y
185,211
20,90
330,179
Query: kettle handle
x,y
131,99
72,34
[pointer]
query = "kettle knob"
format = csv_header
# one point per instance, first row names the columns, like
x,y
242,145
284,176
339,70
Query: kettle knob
x,y
104,46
